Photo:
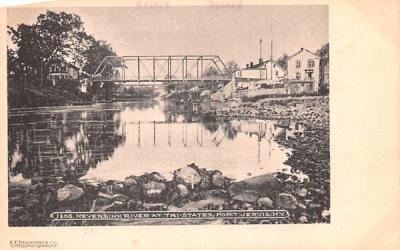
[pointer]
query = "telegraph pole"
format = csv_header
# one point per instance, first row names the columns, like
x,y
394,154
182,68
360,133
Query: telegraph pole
x,y
271,60
271,51
260,60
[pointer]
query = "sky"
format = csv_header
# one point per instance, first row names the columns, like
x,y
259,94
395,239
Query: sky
x,y
232,32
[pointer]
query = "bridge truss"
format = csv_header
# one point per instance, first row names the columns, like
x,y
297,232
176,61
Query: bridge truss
x,y
161,69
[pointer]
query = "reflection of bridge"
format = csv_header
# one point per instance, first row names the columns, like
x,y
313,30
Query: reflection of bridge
x,y
155,70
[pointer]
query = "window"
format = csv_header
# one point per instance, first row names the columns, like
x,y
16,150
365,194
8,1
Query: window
x,y
310,63
276,73
298,64
298,76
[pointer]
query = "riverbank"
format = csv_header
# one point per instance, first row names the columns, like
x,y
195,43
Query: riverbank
x,y
30,96
309,110
310,151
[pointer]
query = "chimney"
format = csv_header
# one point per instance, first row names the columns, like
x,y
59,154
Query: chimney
x,y
247,65
260,60
251,64
302,49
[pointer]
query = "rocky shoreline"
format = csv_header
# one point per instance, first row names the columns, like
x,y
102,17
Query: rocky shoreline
x,y
192,188
310,151
311,111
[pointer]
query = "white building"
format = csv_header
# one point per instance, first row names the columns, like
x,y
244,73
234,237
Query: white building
x,y
304,66
261,71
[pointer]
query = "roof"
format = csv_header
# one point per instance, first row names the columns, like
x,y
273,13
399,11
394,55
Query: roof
x,y
258,65
67,64
302,50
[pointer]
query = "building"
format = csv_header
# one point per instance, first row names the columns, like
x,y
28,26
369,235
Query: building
x,y
303,66
261,71
62,71
326,74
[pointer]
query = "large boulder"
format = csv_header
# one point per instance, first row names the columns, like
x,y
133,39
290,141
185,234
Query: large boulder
x,y
91,188
69,193
154,176
188,176
133,187
217,179
286,201
265,202
263,185
154,191
182,190
129,181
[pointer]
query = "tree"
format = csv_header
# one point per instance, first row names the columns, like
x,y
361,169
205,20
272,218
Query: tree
x,y
323,52
232,66
282,61
211,71
95,54
54,38
12,64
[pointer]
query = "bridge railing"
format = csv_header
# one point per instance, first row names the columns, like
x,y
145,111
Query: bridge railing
x,y
176,68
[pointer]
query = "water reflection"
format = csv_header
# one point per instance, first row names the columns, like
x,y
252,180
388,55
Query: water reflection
x,y
112,141
61,142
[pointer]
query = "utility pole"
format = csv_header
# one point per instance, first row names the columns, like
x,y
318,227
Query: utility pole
x,y
271,50
260,60
271,60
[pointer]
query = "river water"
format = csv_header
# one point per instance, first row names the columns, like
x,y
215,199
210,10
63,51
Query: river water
x,y
114,140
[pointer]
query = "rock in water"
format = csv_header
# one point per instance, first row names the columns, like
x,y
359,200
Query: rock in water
x,y
69,193
183,190
263,185
217,179
188,175
265,201
286,201
154,191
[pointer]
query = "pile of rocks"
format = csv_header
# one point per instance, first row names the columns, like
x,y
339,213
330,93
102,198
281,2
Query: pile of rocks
x,y
191,188
313,111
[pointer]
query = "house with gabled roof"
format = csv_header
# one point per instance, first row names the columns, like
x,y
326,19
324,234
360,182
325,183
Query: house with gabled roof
x,y
303,66
265,70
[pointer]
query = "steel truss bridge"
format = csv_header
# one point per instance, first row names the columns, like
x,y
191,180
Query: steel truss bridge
x,y
158,70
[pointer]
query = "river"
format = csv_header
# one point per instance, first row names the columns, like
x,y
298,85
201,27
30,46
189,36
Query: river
x,y
114,140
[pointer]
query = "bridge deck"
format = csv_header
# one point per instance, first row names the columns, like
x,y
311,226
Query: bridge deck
x,y
163,81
